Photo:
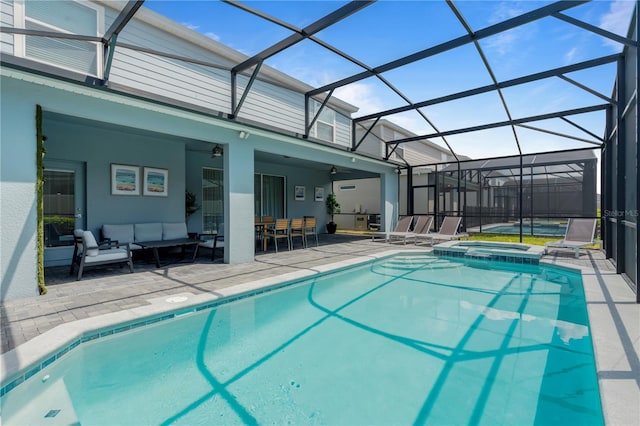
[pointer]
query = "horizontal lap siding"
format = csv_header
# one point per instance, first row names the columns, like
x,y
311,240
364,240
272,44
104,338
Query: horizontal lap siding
x,y
343,130
272,105
6,20
204,86
191,83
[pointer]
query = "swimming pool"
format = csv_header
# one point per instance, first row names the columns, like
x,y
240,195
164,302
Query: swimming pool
x,y
406,339
543,229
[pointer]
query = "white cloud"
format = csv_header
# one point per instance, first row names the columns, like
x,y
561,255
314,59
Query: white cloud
x,y
213,36
362,96
570,55
505,10
617,19
191,26
502,43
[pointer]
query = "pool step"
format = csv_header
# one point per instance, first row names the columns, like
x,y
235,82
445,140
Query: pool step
x,y
406,263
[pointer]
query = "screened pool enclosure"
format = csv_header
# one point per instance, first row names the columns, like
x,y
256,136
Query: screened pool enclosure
x,y
504,196
479,88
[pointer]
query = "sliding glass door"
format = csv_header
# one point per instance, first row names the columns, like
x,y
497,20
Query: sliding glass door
x,y
269,198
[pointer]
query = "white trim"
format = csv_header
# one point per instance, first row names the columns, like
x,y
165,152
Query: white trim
x,y
18,22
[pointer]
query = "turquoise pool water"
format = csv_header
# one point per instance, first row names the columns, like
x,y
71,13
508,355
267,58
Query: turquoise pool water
x,y
538,229
403,340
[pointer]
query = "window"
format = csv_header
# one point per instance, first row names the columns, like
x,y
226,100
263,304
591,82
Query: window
x,y
399,153
69,17
58,207
326,123
212,200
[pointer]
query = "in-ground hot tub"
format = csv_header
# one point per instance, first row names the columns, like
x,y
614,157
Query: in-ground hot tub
x,y
490,250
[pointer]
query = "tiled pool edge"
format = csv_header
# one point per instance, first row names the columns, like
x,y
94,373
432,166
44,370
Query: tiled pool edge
x,y
22,362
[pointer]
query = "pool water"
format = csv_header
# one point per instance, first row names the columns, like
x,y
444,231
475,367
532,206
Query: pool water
x,y
538,229
406,339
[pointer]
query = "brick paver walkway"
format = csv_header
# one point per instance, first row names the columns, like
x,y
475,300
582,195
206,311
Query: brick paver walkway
x,y
104,290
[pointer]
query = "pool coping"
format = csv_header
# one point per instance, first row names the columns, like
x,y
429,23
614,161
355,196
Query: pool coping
x,y
607,304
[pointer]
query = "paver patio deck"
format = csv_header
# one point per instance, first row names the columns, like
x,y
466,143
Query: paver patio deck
x,y
614,315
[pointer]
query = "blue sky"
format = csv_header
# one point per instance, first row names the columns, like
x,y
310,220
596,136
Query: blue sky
x,y
389,29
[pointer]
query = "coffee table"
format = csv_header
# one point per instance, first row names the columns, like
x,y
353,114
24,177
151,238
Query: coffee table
x,y
182,242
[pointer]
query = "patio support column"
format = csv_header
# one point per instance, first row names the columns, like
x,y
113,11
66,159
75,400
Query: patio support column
x,y
388,199
238,203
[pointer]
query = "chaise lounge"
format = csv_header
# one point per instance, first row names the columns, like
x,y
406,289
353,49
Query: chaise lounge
x,y
448,231
402,228
579,233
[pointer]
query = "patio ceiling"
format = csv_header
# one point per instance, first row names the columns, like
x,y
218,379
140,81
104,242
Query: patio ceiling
x,y
472,86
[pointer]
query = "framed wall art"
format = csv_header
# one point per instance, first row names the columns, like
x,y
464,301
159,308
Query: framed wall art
x,y
299,192
156,182
125,180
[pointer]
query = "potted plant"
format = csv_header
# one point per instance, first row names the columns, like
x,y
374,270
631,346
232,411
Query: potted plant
x,y
333,207
190,205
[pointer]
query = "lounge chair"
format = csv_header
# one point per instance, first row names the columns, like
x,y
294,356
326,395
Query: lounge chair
x,y
422,224
402,227
87,252
448,230
425,231
580,233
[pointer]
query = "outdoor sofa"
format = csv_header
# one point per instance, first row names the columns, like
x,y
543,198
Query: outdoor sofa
x,y
136,234
152,235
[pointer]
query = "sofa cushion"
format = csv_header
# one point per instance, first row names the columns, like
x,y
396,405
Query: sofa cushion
x,y
148,231
121,233
90,241
173,231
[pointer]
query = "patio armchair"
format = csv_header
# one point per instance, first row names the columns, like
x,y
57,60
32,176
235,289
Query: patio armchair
x,y
87,252
211,240
310,229
278,231
579,233
403,225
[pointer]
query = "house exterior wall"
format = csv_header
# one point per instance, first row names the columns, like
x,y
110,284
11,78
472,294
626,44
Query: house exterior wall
x,y
269,102
98,147
108,126
18,214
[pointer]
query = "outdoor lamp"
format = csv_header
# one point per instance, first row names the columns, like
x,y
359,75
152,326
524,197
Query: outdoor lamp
x,y
333,170
216,151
